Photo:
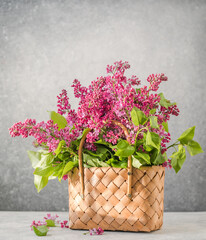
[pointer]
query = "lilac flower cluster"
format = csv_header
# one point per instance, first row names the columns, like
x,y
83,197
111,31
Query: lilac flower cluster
x,y
106,99
95,231
37,223
63,224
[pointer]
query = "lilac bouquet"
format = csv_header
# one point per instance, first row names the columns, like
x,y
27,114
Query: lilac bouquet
x,y
114,97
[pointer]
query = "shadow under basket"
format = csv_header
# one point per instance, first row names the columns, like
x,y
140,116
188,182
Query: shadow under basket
x,y
106,204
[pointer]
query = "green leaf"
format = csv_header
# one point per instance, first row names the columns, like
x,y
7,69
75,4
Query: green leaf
x,y
160,159
69,167
138,117
153,155
187,135
57,168
102,149
153,122
60,175
59,148
135,162
125,152
100,141
143,156
122,144
51,177
165,126
153,139
46,159
64,156
50,223
117,164
40,230
145,146
152,111
58,119
44,172
138,142
40,182
101,152
41,158
93,161
35,157
178,158
164,102
194,148
97,163
87,166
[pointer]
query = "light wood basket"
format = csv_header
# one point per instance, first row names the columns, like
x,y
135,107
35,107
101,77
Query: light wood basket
x,y
116,198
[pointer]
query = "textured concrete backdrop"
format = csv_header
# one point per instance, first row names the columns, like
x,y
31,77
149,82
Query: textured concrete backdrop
x,y
44,45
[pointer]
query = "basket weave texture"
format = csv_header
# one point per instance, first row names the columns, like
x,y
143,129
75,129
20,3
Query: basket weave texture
x,y
107,205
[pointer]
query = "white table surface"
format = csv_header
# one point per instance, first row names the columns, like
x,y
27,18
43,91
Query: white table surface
x,y
177,225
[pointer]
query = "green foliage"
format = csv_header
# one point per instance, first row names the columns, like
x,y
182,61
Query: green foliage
x,y
165,126
60,146
144,158
93,161
153,122
40,182
135,162
160,159
122,144
41,158
69,166
125,152
48,166
42,163
50,223
58,119
164,102
138,117
178,158
35,157
194,148
153,140
152,111
44,172
40,230
117,163
187,135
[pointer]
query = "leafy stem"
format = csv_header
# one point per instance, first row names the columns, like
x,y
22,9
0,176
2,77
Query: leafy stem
x,y
144,128
71,151
173,145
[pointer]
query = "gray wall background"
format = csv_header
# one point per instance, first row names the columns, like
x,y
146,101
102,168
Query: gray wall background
x,y
44,45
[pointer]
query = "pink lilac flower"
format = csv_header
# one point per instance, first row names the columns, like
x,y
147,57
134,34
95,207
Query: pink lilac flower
x,y
96,231
102,102
64,224
65,177
37,223
167,164
106,99
63,103
50,217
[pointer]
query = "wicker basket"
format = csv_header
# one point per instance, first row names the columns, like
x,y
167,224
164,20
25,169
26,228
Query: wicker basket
x,y
116,198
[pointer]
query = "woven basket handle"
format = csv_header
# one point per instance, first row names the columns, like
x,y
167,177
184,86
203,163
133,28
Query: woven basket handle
x,y
81,168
